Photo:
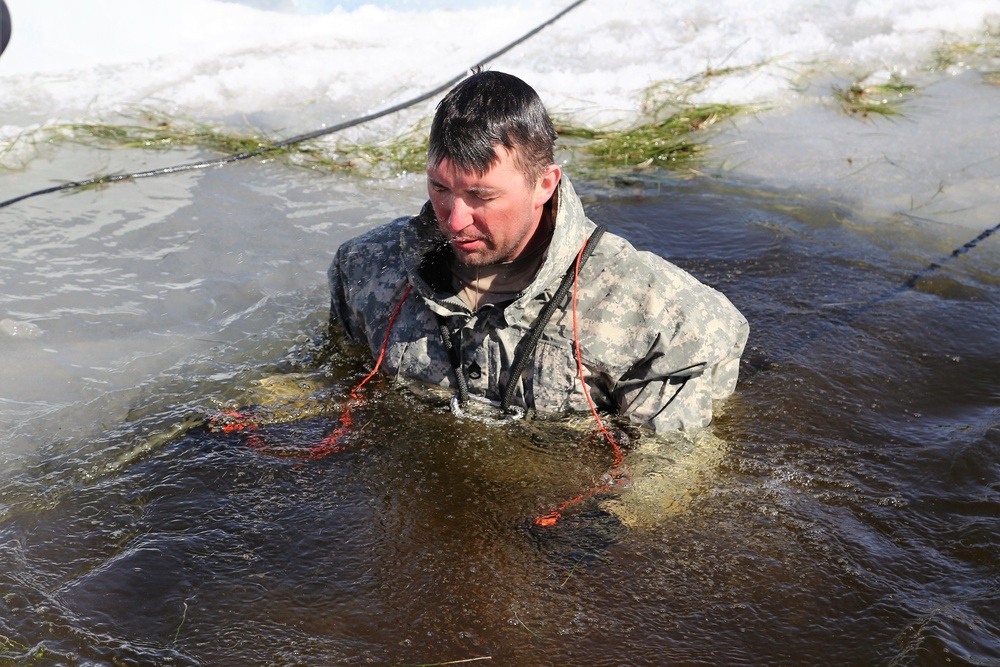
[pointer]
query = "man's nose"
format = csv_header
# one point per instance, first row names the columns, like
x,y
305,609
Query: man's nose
x,y
460,216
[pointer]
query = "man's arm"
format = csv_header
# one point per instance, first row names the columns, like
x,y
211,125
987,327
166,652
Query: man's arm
x,y
344,321
692,358
670,391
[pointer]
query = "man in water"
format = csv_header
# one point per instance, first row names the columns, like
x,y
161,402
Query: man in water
x,y
456,295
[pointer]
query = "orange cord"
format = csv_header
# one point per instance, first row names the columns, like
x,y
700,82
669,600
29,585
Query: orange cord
x,y
385,342
617,474
234,420
332,443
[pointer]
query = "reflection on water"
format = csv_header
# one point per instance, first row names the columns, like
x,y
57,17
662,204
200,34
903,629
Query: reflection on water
x,y
843,511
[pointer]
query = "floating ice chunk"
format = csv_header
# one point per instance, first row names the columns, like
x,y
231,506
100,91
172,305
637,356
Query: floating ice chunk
x,y
16,329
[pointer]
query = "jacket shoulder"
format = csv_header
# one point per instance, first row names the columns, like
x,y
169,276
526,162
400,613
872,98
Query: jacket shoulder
x,y
644,281
379,241
366,274
633,298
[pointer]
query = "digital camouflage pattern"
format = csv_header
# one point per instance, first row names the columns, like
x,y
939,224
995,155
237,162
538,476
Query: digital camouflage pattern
x,y
657,346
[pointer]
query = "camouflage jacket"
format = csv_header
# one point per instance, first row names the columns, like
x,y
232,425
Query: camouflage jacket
x,y
656,345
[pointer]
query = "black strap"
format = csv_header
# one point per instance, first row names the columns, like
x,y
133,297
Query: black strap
x,y
526,348
456,361
528,344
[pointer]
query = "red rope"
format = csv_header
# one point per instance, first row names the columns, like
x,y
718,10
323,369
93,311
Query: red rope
x,y
234,420
385,342
618,474
332,443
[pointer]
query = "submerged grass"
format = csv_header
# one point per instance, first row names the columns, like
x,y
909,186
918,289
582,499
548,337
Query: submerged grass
x,y
18,653
153,130
669,135
7,644
666,137
980,53
865,100
870,99
669,142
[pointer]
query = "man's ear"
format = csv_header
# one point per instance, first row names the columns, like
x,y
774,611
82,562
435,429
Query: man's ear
x,y
547,184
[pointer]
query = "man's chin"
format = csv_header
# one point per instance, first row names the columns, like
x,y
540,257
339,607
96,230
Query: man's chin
x,y
474,257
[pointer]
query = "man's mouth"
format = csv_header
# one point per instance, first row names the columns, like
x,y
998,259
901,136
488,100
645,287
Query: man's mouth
x,y
467,243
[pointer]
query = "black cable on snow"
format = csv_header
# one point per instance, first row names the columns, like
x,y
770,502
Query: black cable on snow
x,y
101,180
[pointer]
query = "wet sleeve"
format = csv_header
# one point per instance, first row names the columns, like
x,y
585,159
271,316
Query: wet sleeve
x,y
342,322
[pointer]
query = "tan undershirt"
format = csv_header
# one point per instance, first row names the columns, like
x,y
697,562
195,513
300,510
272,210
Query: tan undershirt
x,y
478,286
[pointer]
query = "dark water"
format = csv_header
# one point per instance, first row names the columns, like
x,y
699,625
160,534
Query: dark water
x,y
848,513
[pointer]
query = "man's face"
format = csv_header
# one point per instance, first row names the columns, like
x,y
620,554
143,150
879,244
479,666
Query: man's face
x,y
490,218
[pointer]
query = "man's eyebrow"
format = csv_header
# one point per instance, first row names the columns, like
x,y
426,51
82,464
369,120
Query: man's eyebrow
x,y
483,191
478,191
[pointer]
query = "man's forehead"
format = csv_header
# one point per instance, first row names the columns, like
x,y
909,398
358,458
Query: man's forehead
x,y
447,172
499,175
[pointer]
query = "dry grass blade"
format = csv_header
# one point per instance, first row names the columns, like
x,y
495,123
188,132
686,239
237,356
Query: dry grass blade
x,y
454,662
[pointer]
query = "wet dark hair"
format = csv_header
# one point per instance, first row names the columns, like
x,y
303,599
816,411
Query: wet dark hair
x,y
487,110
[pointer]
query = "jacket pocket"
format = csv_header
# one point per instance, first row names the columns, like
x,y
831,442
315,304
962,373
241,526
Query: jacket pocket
x,y
424,361
555,385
